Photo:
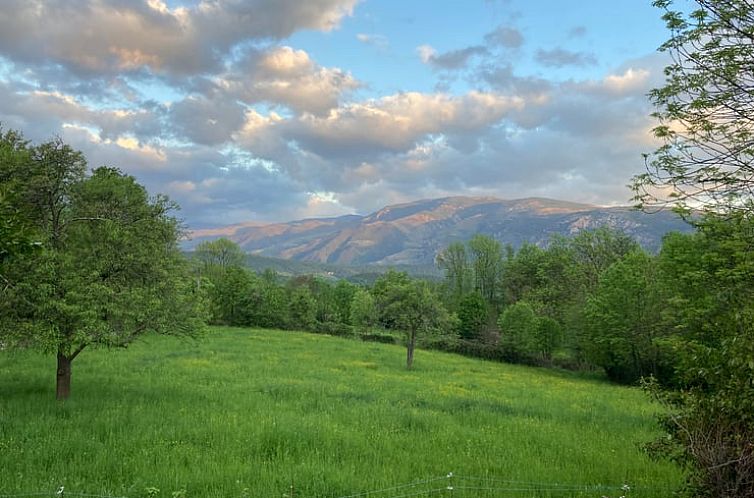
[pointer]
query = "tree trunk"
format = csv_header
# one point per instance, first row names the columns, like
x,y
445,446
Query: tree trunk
x,y
410,351
63,390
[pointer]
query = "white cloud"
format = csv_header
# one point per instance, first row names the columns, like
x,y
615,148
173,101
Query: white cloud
x,y
395,123
631,80
289,77
242,127
110,36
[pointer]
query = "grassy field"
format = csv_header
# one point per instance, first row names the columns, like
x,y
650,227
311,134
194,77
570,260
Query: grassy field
x,y
265,414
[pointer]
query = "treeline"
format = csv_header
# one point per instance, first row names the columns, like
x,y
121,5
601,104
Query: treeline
x,y
595,300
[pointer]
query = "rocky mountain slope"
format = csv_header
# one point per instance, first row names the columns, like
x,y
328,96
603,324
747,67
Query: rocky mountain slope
x,y
413,233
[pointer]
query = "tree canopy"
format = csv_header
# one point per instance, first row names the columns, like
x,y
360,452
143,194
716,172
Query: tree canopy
x,y
108,268
706,125
704,111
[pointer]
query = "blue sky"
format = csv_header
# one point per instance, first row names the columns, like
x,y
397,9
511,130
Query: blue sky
x,y
271,110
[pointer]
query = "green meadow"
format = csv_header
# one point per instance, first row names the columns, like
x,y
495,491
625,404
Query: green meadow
x,y
260,413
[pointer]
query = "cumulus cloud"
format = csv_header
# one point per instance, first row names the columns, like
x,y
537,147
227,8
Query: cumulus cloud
x,y
39,113
395,123
630,81
112,36
558,141
206,121
206,104
283,75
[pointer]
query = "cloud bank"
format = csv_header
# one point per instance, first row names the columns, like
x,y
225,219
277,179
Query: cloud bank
x,y
210,103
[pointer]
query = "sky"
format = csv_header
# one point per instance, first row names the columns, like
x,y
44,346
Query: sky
x,y
273,110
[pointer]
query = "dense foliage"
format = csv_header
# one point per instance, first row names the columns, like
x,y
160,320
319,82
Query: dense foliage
x,y
592,301
706,163
704,110
86,259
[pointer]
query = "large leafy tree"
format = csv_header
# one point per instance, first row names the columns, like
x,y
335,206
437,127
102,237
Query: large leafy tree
x,y
16,233
214,256
704,110
708,278
707,126
221,263
472,316
527,336
622,321
108,268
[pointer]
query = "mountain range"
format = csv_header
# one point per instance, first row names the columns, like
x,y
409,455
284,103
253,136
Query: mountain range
x,y
413,233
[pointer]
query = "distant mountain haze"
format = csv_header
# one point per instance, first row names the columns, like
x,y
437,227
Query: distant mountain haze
x,y
413,233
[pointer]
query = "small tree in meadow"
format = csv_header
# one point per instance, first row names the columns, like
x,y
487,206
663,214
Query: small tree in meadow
x,y
412,306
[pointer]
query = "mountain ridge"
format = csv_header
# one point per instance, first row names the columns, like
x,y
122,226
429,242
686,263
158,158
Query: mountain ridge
x,y
414,232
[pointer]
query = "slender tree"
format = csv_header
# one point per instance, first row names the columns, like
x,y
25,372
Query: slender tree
x,y
455,263
487,256
363,311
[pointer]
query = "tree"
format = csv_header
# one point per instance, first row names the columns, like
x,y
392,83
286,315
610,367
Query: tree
x,y
518,325
487,256
594,251
221,263
268,303
363,311
454,261
217,255
622,321
526,335
708,279
230,295
705,161
16,231
383,291
108,269
522,275
343,295
472,316
548,336
411,306
302,308
704,111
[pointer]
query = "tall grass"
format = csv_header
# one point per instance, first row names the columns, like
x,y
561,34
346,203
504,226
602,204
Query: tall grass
x,y
266,413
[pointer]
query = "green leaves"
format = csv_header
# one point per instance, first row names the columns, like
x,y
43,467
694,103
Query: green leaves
x,y
704,111
107,268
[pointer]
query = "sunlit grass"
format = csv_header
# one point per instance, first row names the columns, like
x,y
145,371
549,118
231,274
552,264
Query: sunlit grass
x,y
254,412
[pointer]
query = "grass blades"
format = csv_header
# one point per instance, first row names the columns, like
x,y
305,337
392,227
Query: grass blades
x,y
261,413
